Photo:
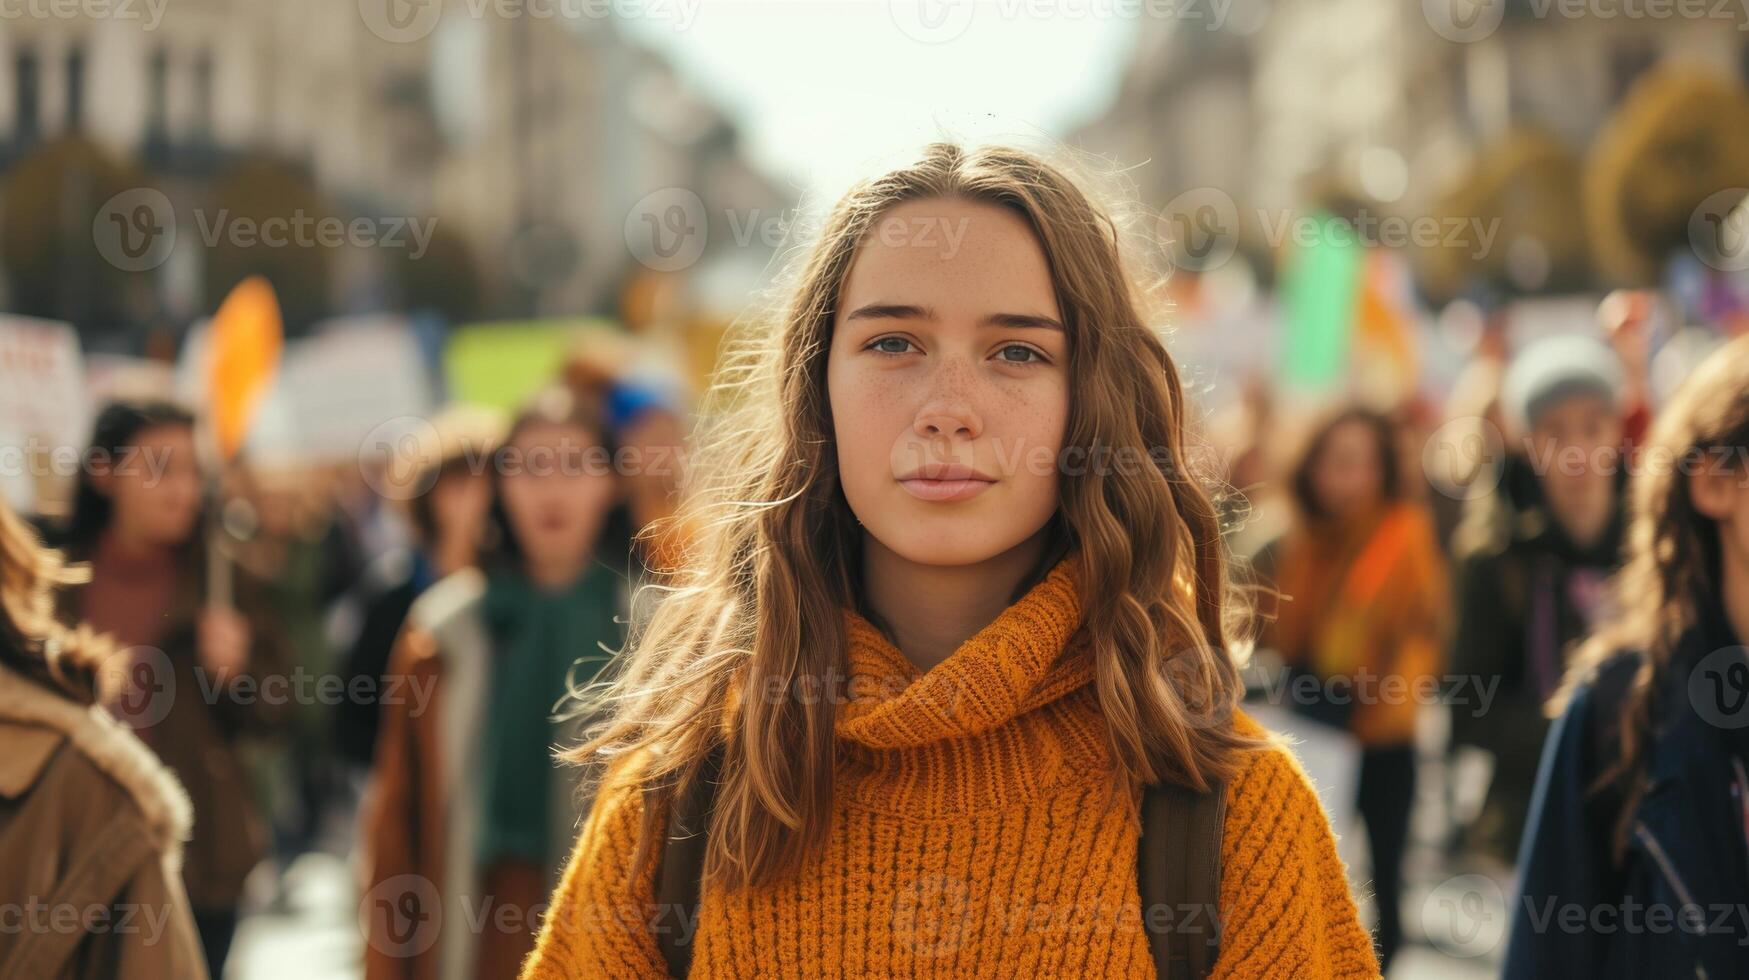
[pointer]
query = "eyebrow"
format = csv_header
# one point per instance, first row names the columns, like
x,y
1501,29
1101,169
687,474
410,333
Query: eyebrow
x,y
906,311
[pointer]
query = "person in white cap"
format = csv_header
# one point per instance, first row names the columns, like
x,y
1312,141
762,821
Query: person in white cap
x,y
1533,560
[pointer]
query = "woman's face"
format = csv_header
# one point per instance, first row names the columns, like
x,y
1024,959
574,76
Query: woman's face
x,y
154,488
1348,476
948,380
557,486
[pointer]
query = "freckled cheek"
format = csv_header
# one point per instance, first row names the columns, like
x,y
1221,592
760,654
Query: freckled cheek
x,y
870,417
1029,425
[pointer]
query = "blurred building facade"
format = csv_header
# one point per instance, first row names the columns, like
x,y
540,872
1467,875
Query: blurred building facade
x,y
1290,103
524,140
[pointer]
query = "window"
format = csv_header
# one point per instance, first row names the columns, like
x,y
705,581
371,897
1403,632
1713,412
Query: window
x,y
203,94
27,89
75,88
158,93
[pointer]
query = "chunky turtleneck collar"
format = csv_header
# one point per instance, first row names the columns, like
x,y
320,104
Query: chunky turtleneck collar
x,y
1014,665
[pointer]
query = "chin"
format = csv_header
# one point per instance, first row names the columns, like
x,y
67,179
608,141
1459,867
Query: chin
x,y
947,541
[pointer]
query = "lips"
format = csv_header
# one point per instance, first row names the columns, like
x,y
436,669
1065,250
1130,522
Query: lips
x,y
945,481
947,471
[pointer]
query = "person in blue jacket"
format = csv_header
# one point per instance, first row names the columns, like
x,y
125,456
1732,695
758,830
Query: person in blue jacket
x,y
1635,859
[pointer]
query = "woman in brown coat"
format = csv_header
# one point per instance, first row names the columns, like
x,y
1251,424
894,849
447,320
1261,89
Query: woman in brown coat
x,y
91,824
205,679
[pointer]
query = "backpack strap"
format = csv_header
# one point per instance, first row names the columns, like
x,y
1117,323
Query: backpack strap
x,y
682,867
1178,874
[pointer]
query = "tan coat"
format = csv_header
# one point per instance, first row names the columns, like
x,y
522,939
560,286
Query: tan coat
x,y
92,827
420,821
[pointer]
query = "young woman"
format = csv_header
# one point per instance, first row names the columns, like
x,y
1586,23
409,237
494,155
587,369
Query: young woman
x,y
196,668
448,523
91,824
1364,613
953,600
470,809
1635,862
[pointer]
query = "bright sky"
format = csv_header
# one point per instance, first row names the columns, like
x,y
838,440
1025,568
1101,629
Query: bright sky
x,y
827,91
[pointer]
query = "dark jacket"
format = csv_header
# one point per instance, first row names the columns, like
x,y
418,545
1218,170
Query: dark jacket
x,y
1518,577
201,731
1678,904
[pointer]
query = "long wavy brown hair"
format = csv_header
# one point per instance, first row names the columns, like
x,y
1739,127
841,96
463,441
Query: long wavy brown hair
x,y
759,603
1673,560
32,641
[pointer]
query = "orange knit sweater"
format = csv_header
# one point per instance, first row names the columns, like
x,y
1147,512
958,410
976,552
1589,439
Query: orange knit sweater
x,y
974,834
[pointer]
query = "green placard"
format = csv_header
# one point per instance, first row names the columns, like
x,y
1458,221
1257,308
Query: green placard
x,y
501,364
1320,289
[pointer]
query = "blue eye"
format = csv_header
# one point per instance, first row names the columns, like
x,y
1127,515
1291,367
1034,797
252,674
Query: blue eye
x,y
902,342
1034,356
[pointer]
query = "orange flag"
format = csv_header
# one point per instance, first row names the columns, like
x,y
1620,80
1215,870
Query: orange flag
x,y
243,345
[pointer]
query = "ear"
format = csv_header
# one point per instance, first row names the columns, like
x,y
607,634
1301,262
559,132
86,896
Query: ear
x,y
1714,494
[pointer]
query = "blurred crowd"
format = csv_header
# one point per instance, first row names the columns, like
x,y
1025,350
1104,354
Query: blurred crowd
x,y
342,657
363,647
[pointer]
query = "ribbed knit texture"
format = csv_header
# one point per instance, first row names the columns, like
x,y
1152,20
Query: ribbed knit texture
x,y
975,834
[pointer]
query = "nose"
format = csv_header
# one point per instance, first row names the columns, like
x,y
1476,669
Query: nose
x,y
933,425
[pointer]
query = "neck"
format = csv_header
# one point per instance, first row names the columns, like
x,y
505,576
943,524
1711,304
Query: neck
x,y
453,553
553,574
930,610
119,543
1735,592
1584,517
